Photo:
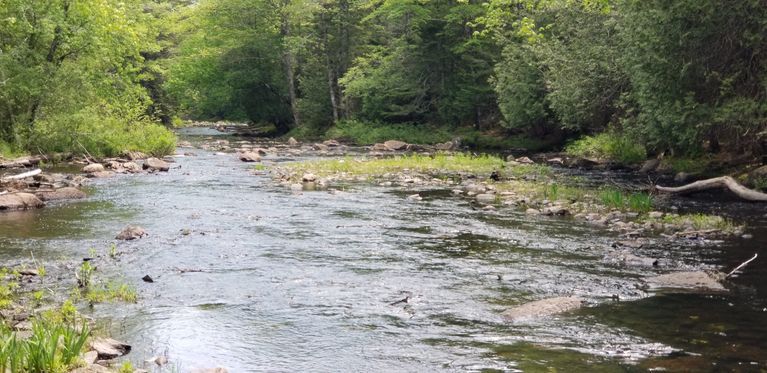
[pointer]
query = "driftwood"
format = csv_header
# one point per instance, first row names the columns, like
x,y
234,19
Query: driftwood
x,y
742,265
718,182
22,175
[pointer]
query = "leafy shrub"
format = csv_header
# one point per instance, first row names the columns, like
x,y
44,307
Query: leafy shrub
x,y
608,146
369,133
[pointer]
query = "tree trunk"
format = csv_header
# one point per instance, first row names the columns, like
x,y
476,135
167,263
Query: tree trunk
x,y
715,183
288,61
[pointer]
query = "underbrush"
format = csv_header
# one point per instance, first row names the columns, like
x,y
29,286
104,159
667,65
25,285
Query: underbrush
x,y
617,199
368,133
99,136
608,146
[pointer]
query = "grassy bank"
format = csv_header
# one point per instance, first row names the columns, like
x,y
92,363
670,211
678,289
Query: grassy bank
x,y
529,186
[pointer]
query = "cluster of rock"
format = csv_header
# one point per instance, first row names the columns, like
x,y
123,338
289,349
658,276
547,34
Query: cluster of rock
x,y
21,192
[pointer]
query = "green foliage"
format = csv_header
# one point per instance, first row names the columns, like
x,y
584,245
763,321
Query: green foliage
x,y
54,346
608,146
617,199
363,133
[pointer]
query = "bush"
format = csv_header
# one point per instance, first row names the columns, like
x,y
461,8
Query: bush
x,y
100,136
608,146
370,133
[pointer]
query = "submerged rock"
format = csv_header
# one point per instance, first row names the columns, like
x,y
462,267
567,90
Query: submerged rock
x,y
542,308
131,233
61,194
19,201
156,165
689,281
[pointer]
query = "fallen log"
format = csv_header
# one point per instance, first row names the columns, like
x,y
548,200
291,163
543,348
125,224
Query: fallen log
x,y
717,182
22,175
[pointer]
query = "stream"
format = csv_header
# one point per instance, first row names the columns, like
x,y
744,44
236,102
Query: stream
x,y
251,276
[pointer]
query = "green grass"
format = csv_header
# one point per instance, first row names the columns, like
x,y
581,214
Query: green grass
x,y
617,199
54,346
522,170
701,221
436,164
688,165
608,146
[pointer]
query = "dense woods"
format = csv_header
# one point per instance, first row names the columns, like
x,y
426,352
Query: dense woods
x,y
682,78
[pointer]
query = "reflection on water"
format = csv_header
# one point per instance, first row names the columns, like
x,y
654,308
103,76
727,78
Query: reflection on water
x,y
253,277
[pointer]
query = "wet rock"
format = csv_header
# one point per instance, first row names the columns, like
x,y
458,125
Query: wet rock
x,y
321,147
649,165
689,281
555,210
474,188
19,201
532,211
624,257
249,157
542,308
331,143
108,348
292,142
132,167
633,244
131,233
414,197
155,164
135,156
395,145
185,144
61,194
93,168
101,174
309,178
485,198
296,187
379,148
90,357
148,279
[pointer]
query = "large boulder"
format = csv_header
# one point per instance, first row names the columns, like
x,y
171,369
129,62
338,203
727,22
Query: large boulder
x,y
395,145
93,168
61,194
131,233
108,348
19,201
155,164
542,308
249,157
689,281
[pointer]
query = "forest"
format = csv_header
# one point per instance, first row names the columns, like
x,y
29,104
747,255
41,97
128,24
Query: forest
x,y
630,78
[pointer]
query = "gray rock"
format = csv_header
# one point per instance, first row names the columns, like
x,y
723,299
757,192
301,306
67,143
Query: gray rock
x,y
292,142
156,165
395,145
132,167
61,194
309,178
542,308
93,168
655,214
131,233
524,160
532,211
689,281
108,348
485,198
19,201
249,157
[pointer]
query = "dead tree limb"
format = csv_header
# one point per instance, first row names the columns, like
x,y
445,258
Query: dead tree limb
x,y
742,265
717,182
22,176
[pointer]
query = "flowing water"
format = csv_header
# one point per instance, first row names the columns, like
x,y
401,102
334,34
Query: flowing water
x,y
253,277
